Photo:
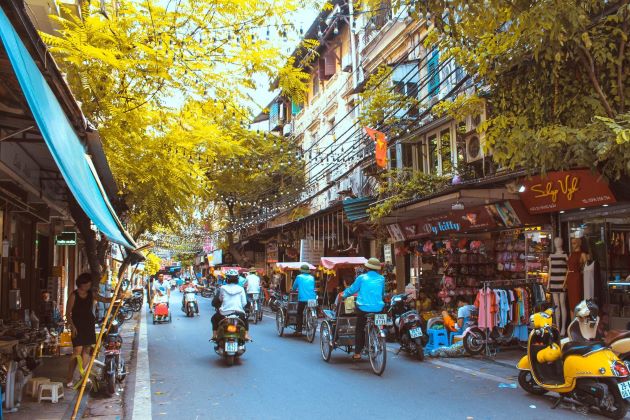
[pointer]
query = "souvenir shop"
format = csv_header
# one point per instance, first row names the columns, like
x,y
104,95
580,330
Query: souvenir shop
x,y
495,256
594,238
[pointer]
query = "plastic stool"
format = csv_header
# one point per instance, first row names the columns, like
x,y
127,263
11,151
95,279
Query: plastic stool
x,y
437,338
32,386
51,391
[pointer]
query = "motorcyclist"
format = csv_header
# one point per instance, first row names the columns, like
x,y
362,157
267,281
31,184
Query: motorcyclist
x,y
183,290
305,285
253,284
230,299
370,288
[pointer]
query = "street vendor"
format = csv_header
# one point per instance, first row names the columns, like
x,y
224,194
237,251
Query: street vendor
x,y
370,288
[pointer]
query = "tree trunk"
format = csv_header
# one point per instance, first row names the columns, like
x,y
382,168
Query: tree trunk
x,y
239,259
95,249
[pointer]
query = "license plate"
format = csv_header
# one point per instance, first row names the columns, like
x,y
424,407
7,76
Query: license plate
x,y
415,332
231,347
312,303
380,319
624,389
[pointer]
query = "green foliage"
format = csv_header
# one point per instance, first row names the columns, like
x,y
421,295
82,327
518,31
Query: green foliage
x,y
165,84
399,185
555,77
152,264
383,106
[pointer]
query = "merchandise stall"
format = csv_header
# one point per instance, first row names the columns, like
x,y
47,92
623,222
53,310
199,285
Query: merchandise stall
x,y
457,255
594,224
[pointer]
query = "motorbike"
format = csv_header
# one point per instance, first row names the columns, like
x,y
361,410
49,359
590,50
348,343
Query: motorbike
x,y
584,328
134,303
408,326
113,369
190,307
475,339
230,341
588,372
208,292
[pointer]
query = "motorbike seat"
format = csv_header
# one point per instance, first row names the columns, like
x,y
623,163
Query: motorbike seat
x,y
615,335
581,348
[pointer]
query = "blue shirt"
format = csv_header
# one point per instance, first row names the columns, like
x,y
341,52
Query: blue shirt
x,y
371,288
241,281
305,285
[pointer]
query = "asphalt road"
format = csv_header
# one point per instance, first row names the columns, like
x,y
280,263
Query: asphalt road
x,y
286,378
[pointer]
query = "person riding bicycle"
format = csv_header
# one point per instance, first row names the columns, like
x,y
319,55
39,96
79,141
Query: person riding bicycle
x,y
252,284
370,288
230,299
305,285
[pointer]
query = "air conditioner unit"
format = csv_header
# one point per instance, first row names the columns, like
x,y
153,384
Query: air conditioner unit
x,y
475,143
473,121
346,63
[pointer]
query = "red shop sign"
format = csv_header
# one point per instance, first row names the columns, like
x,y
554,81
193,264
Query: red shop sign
x,y
565,191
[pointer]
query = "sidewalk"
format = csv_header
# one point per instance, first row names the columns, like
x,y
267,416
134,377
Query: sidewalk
x,y
56,369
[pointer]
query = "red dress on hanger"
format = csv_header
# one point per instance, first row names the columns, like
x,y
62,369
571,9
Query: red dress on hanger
x,y
574,279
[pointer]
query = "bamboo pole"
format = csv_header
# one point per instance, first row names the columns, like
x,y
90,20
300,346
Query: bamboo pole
x,y
107,319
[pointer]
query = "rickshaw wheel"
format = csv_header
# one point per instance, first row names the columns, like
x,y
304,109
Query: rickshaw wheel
x,y
311,325
325,338
376,350
280,322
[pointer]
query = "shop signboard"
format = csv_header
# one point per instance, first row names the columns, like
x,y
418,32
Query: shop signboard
x,y
503,214
272,252
216,258
395,232
558,191
66,239
387,253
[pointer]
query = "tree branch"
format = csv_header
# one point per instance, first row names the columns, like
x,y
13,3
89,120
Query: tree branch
x,y
620,59
590,69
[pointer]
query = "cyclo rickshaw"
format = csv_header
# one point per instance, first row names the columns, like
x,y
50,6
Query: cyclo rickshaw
x,y
286,315
338,330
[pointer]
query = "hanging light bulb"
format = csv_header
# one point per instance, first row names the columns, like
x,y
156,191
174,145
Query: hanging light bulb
x,y
336,30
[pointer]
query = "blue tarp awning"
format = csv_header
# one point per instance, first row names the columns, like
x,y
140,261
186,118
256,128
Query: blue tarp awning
x,y
355,208
62,141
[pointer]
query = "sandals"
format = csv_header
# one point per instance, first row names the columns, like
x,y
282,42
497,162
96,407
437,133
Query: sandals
x,y
356,357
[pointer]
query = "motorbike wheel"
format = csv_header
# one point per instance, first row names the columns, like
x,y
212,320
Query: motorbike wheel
x,y
122,373
255,314
280,322
229,360
127,312
110,377
260,314
474,341
419,349
527,382
325,340
311,326
616,407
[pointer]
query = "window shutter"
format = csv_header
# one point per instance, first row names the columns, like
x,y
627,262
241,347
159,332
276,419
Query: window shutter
x,y
433,73
330,64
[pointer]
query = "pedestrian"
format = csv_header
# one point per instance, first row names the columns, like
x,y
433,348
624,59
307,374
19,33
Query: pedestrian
x,y
370,288
81,319
48,313
305,285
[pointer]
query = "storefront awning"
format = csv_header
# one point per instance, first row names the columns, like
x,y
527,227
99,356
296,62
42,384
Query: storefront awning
x,y
65,147
336,262
355,208
294,265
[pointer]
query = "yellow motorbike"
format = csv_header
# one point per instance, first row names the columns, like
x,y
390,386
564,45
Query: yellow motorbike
x,y
588,372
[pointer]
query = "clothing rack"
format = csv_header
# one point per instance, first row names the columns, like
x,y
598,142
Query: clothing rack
x,y
502,282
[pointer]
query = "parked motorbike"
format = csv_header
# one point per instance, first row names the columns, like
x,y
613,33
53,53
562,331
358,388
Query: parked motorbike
x,y
190,307
134,303
407,326
475,339
587,372
113,368
230,341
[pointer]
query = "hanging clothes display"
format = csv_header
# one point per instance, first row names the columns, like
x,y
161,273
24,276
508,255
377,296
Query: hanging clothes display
x,y
486,302
589,280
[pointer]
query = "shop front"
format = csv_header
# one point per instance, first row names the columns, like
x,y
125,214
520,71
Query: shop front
x,y
593,220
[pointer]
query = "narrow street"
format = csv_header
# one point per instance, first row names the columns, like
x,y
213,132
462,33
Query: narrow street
x,y
286,377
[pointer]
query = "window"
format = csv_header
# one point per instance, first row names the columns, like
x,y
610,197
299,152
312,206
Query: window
x,y
433,73
406,158
295,108
446,156
442,152
405,78
315,85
